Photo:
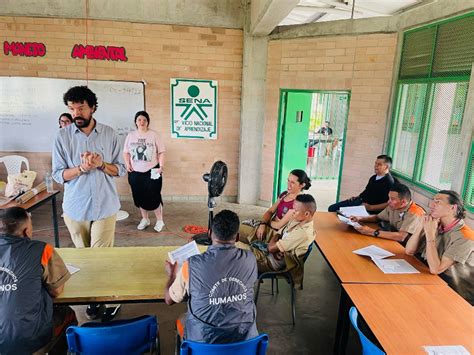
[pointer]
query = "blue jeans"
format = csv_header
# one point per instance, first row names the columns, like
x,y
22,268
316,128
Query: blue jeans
x,y
346,203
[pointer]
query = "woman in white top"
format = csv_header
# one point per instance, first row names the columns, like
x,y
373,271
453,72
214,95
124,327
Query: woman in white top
x,y
144,155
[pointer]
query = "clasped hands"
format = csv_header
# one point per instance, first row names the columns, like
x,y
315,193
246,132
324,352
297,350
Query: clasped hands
x,y
90,161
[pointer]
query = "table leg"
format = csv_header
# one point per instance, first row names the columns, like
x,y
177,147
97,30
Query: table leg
x,y
55,222
342,328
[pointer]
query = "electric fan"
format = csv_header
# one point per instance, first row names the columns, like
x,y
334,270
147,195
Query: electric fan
x,y
216,180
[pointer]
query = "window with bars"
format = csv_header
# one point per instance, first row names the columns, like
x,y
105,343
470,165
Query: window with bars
x,y
427,125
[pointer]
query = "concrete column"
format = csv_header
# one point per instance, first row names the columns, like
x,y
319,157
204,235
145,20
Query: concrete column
x,y
252,114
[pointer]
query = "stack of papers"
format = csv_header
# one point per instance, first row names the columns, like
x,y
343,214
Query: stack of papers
x,y
392,266
72,269
446,350
348,221
354,211
181,254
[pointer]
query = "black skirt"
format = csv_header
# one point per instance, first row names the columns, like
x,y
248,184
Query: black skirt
x,y
146,192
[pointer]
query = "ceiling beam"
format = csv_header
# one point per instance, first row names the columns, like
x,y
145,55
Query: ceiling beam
x,y
270,15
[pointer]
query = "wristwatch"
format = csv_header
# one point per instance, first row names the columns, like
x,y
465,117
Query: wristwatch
x,y
376,233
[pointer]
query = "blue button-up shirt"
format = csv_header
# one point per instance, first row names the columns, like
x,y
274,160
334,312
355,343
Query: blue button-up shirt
x,y
90,196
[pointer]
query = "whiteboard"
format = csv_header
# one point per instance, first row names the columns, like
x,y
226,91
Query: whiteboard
x,y
30,108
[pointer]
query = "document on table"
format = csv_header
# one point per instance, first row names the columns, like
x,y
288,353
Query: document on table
x,y
374,252
446,350
348,221
72,269
354,211
181,254
395,266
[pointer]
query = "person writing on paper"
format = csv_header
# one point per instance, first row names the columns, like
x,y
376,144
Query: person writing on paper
x,y
375,196
279,214
401,213
218,285
31,274
290,244
144,155
443,239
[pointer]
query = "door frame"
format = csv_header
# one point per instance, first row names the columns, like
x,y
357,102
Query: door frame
x,y
280,138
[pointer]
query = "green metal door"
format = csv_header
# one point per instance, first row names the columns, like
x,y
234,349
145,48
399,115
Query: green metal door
x,y
293,147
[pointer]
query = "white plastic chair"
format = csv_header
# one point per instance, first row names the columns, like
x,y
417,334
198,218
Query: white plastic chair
x,y
13,163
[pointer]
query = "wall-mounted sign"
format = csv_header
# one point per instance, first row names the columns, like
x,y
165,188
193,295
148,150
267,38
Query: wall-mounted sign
x,y
80,51
193,108
24,49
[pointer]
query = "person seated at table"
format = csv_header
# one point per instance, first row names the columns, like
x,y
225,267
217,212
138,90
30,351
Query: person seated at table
x,y
288,246
443,239
219,287
65,119
401,214
31,273
279,214
375,195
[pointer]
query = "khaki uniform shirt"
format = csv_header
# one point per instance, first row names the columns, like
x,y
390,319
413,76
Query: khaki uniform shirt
x,y
297,240
404,220
179,289
456,244
55,272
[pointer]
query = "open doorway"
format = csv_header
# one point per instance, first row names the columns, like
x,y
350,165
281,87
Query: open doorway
x,y
311,136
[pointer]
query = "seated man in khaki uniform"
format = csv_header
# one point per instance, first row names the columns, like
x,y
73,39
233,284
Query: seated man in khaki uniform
x,y
290,244
442,238
402,214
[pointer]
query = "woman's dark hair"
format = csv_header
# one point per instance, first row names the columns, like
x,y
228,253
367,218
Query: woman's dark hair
x,y
65,114
80,94
455,199
302,178
144,114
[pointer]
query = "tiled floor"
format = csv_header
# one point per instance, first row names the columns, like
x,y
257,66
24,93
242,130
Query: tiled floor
x,y
317,304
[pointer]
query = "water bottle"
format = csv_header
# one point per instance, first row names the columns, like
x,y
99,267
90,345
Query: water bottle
x,y
48,180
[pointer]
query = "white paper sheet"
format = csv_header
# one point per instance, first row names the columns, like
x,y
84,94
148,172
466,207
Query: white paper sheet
x,y
374,252
354,211
446,350
72,269
348,221
395,266
181,254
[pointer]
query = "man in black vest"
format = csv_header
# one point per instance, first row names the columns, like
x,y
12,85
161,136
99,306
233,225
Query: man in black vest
x,y
375,195
219,287
31,272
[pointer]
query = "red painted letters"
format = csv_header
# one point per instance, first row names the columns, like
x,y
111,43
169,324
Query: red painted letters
x,y
99,52
24,49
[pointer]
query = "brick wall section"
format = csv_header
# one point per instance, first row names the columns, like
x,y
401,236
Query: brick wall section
x,y
363,65
155,53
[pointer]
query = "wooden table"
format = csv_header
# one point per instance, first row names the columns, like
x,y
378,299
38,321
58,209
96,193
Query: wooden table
x,y
37,201
404,318
116,275
337,241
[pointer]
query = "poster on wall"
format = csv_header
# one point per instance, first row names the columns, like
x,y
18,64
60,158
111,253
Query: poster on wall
x,y
193,108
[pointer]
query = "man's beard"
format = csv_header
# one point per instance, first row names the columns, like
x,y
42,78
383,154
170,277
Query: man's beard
x,y
83,122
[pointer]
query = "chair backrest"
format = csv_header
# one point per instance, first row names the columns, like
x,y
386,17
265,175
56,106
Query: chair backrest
x,y
310,247
368,348
257,346
131,336
13,163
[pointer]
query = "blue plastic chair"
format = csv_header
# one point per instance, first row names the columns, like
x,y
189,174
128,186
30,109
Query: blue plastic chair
x,y
127,337
257,346
286,274
368,348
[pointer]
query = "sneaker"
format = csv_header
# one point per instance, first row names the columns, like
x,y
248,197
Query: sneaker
x,y
110,312
93,311
159,226
143,224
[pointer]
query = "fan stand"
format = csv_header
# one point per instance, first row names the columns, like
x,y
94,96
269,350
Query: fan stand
x,y
204,238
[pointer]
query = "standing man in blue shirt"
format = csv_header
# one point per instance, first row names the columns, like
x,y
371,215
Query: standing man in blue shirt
x,y
86,158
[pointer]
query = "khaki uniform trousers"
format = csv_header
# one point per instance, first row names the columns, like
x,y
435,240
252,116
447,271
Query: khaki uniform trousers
x,y
93,234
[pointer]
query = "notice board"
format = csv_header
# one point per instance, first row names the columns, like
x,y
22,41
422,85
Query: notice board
x,y
30,108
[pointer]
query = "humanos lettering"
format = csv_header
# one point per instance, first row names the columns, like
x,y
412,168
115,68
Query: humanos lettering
x,y
229,299
8,287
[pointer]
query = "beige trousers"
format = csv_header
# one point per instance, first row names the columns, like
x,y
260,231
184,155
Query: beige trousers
x,y
93,234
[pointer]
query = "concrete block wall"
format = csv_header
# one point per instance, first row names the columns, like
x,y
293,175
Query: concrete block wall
x,y
361,64
155,53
